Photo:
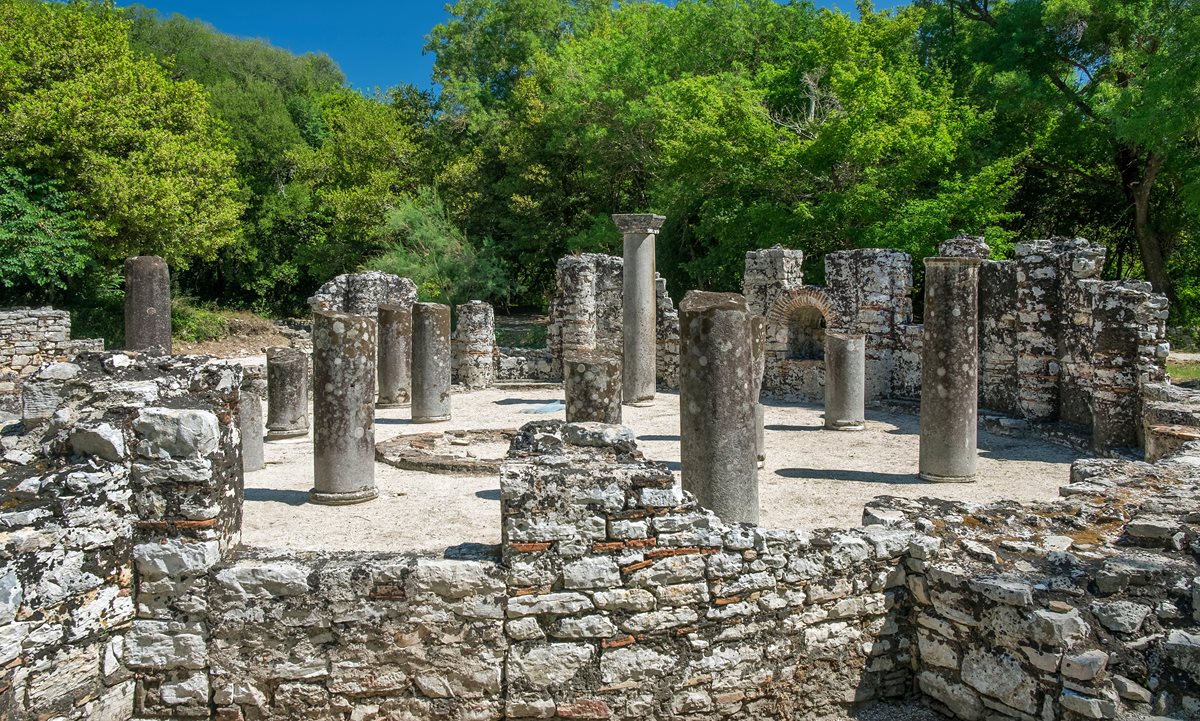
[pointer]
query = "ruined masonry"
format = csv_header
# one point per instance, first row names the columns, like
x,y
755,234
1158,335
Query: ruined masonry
x,y
612,595
30,337
1056,345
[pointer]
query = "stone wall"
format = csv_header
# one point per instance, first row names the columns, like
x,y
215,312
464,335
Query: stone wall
x,y
30,337
586,316
613,595
130,489
1056,344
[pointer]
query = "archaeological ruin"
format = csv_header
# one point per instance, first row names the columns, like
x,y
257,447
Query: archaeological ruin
x,y
728,508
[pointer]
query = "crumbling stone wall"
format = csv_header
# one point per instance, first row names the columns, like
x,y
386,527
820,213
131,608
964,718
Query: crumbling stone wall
x,y
30,337
1056,343
1087,608
586,316
362,293
129,489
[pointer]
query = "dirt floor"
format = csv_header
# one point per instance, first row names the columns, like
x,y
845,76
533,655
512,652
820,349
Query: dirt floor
x,y
813,478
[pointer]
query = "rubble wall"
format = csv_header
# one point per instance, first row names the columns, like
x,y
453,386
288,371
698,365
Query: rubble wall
x,y
586,315
123,487
30,337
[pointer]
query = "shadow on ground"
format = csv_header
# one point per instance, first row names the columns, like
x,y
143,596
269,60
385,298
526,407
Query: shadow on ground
x,y
274,495
833,474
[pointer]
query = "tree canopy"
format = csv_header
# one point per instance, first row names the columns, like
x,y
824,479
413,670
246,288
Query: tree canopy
x,y
748,123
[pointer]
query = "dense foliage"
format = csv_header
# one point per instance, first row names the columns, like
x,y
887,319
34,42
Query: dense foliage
x,y
748,123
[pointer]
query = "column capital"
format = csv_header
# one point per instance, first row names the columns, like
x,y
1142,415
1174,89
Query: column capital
x,y
641,223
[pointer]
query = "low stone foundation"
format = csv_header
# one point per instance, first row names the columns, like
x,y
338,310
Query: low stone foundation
x,y
30,337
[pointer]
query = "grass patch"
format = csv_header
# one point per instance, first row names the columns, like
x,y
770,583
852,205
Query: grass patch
x,y
1182,372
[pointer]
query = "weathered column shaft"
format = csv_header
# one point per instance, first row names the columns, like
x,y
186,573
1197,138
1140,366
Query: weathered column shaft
x,y
395,356
431,363
575,304
758,353
845,381
639,370
474,345
250,427
717,405
343,408
592,383
147,305
950,369
287,393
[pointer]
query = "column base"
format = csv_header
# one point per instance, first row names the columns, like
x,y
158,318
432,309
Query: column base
x,y
431,419
946,479
342,499
640,403
393,405
846,426
283,435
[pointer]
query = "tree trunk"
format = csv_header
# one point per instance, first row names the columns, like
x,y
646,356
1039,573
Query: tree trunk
x,y
1137,180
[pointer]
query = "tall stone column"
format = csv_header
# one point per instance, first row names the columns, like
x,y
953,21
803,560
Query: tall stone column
x,y
474,345
431,363
845,381
592,384
718,447
639,301
575,304
287,393
395,356
147,305
343,408
950,369
758,352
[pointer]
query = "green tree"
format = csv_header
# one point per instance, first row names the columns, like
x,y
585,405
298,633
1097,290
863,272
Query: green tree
x,y
139,153
43,245
1103,93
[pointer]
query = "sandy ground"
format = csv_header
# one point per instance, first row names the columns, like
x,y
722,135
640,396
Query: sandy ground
x,y
813,478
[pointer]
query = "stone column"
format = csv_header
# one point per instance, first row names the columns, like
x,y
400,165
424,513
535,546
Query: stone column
x,y
1114,400
592,382
474,345
343,408
287,393
758,351
147,305
949,369
638,328
575,304
250,427
395,356
716,405
845,381
431,363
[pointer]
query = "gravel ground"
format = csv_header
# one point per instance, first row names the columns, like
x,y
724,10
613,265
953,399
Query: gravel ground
x,y
813,478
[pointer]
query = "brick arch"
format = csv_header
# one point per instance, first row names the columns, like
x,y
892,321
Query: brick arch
x,y
801,298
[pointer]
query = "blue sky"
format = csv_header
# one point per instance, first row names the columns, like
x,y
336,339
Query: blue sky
x,y
375,43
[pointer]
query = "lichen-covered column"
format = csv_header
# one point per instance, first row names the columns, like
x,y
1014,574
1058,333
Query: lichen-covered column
x,y
639,301
592,382
147,305
474,345
845,381
343,408
250,428
395,356
431,363
758,352
287,393
950,369
718,447
575,304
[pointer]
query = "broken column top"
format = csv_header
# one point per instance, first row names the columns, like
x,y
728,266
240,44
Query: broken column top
x,y
965,246
697,301
647,223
